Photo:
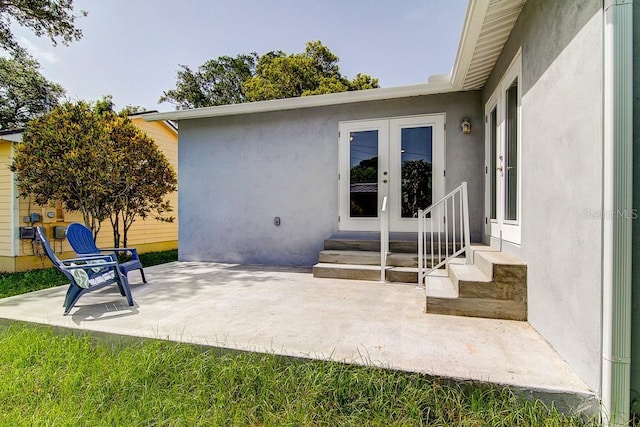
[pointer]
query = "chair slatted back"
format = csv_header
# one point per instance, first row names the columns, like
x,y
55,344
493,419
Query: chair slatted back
x,y
81,239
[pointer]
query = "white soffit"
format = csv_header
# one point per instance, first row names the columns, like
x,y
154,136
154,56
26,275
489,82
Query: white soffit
x,y
486,29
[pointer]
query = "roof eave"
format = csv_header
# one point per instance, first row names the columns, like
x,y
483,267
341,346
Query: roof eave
x,y
306,102
473,20
13,135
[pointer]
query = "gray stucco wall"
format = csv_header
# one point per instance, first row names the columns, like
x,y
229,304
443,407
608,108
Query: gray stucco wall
x,y
635,338
237,173
562,126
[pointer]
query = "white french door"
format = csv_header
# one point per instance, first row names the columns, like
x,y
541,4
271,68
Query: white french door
x,y
503,158
398,158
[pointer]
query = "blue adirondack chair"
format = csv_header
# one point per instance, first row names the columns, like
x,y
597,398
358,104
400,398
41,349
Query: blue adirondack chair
x,y
81,240
86,274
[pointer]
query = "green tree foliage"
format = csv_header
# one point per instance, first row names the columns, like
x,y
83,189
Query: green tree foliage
x,y
365,172
140,181
95,162
216,82
24,92
50,18
274,75
312,72
416,186
65,156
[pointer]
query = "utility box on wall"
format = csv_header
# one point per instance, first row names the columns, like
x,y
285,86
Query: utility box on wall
x,y
27,233
59,232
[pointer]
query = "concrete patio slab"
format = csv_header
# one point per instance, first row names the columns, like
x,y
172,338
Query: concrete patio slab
x,y
286,311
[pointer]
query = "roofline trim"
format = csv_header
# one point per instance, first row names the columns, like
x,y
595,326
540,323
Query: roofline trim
x,y
306,101
476,12
12,135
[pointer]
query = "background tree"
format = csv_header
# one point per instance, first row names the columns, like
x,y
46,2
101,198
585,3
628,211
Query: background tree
x,y
365,172
216,82
273,75
95,162
416,186
24,92
312,72
51,18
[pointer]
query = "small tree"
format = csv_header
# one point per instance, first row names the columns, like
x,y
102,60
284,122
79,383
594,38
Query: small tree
x,y
141,180
94,162
64,156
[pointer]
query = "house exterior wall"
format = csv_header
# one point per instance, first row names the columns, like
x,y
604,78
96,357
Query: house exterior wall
x,y
5,198
635,326
562,125
146,235
239,172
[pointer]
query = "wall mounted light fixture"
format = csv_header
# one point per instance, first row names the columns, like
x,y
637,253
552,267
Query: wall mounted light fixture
x,y
466,126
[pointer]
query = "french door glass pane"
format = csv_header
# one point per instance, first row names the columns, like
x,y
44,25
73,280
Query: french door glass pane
x,y
363,193
492,161
511,154
416,150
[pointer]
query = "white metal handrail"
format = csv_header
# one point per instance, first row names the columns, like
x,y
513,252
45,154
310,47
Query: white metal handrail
x,y
384,239
443,231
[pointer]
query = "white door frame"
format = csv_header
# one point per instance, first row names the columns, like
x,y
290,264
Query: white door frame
x,y
345,221
389,171
436,122
499,228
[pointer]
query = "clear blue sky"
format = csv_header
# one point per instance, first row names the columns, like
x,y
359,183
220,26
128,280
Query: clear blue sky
x,y
131,48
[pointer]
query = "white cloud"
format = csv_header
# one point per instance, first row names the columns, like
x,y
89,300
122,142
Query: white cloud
x,y
38,53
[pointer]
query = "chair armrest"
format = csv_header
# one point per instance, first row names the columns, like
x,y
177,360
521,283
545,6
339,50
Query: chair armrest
x,y
89,266
106,258
134,251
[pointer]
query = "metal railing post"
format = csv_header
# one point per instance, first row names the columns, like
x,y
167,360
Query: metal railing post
x,y
384,240
437,220
421,257
465,213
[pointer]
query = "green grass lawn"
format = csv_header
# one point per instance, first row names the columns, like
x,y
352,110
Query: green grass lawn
x,y
23,282
55,379
66,380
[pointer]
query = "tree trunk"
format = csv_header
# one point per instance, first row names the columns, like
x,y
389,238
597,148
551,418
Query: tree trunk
x,y
115,224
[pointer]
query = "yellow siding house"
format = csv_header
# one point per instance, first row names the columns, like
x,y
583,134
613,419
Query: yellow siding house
x,y
18,254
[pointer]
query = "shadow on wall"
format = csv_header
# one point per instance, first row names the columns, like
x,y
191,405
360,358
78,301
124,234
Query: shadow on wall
x,y
546,38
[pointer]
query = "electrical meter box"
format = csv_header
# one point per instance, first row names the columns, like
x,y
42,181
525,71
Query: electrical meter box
x,y
27,233
59,232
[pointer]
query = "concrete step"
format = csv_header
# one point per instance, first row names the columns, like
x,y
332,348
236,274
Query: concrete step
x,y
478,307
498,266
349,257
395,246
396,259
347,271
352,245
365,272
368,258
438,285
402,275
495,286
